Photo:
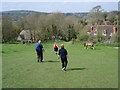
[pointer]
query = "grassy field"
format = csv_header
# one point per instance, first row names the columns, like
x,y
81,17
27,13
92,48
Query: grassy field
x,y
86,68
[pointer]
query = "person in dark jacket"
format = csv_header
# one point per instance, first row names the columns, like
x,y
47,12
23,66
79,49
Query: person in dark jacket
x,y
39,49
63,55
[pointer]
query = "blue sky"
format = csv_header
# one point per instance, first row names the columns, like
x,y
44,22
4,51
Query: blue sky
x,y
58,6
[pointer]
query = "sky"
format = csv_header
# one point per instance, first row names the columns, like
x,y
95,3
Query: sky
x,y
60,0
58,6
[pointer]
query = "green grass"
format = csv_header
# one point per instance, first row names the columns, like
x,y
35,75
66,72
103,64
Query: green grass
x,y
86,68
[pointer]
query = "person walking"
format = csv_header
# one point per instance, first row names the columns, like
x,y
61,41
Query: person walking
x,y
39,49
63,55
55,48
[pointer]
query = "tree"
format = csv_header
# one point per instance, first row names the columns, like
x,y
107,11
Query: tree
x,y
8,31
105,15
113,17
95,15
97,8
83,36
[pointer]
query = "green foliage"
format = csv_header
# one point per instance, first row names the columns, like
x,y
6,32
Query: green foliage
x,y
108,44
113,17
100,37
71,32
12,42
8,29
83,36
105,15
115,37
57,25
95,15
73,40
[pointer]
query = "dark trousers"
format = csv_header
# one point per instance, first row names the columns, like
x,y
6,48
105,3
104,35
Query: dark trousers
x,y
64,62
56,50
39,56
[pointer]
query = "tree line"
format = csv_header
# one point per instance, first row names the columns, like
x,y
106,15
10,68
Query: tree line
x,y
56,26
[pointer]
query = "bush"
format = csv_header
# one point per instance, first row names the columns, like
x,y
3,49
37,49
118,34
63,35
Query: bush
x,y
12,42
108,44
115,38
83,36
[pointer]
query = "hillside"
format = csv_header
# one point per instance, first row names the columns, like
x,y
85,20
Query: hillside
x,y
18,14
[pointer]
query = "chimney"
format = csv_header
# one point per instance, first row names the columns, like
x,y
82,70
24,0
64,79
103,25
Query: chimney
x,y
114,29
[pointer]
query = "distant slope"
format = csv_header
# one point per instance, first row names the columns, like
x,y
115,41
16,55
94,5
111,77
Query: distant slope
x,y
78,15
18,14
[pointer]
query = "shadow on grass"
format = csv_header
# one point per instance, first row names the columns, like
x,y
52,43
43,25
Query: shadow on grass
x,y
93,49
97,49
51,61
72,69
3,51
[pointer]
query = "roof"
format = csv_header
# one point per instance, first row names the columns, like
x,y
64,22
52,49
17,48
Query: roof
x,y
107,23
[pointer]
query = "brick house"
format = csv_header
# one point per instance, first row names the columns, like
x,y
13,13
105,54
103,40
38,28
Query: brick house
x,y
107,30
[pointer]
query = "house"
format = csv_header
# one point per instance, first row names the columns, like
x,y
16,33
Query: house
x,y
107,30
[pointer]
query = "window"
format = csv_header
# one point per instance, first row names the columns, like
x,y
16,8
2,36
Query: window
x,y
104,33
95,32
110,34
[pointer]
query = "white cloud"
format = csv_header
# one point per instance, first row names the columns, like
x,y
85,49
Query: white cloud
x,y
60,0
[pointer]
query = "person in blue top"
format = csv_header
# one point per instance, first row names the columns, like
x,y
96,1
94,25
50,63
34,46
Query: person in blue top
x,y
39,49
63,55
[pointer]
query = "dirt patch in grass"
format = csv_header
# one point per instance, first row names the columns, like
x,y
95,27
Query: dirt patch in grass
x,y
114,47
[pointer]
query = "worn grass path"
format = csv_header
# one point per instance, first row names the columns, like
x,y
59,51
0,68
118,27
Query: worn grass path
x,y
86,68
